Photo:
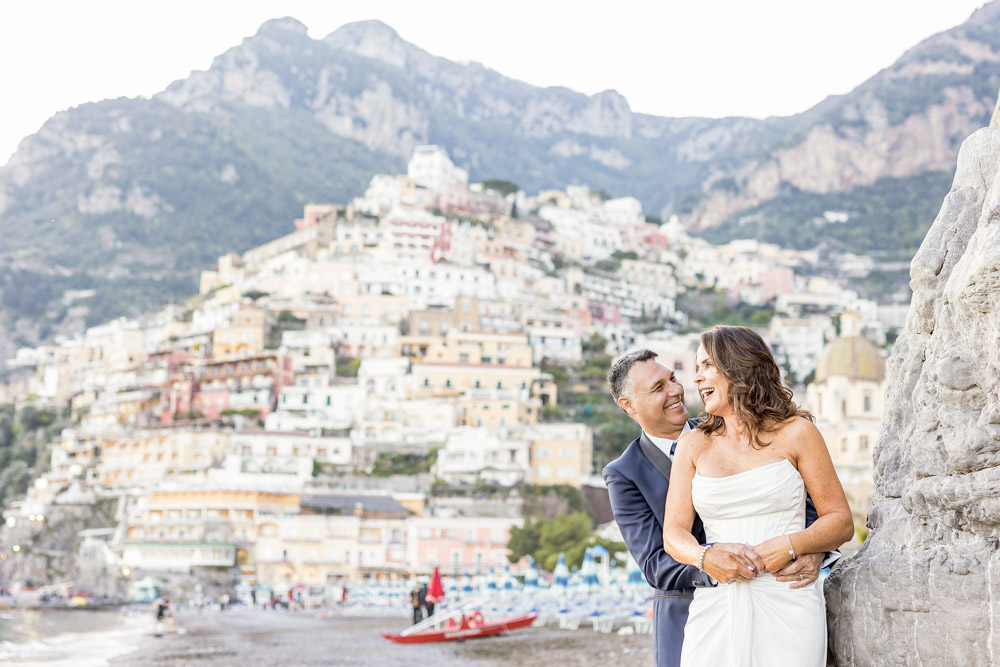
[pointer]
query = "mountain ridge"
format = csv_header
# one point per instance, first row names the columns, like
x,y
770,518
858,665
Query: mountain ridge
x,y
129,192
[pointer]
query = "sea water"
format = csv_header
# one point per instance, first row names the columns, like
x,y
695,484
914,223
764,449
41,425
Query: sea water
x,y
68,637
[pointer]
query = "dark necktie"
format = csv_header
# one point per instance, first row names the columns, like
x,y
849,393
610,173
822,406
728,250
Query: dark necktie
x,y
673,448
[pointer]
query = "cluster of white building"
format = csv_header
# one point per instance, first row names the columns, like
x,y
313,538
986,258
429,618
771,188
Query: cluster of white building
x,y
412,322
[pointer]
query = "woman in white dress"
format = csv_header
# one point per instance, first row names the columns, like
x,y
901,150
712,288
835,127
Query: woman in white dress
x,y
746,470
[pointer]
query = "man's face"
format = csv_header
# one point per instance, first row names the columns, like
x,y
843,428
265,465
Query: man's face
x,y
657,403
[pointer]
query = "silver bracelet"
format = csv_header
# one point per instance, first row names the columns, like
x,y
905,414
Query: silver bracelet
x,y
791,549
701,559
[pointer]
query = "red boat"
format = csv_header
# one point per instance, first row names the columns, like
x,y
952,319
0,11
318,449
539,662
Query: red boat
x,y
471,626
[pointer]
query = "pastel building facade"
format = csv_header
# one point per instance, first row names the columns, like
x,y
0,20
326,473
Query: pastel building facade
x,y
459,545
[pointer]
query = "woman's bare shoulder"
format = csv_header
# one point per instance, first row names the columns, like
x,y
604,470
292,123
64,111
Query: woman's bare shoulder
x,y
796,434
695,436
695,441
797,426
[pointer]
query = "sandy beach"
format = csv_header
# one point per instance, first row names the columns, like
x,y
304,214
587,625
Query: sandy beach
x,y
249,637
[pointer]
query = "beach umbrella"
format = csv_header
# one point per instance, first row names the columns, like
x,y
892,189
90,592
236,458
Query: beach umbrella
x,y
561,572
588,573
491,581
435,592
633,575
531,576
602,563
466,584
508,581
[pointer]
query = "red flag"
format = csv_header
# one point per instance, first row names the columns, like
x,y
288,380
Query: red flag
x,y
435,592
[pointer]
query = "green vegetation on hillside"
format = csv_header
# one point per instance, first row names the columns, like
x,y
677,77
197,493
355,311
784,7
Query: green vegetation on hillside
x,y
24,439
887,219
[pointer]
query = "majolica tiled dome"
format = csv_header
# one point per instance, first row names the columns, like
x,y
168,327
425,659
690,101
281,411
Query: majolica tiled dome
x,y
852,357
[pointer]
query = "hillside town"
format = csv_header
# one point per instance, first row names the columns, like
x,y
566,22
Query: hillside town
x,y
379,391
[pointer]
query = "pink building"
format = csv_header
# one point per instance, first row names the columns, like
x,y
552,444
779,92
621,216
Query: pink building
x,y
769,285
251,383
458,545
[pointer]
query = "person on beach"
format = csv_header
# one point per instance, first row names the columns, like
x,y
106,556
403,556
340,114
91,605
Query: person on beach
x,y
746,469
426,605
649,392
415,601
162,610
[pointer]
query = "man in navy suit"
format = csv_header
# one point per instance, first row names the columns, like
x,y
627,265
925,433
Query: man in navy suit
x,y
637,482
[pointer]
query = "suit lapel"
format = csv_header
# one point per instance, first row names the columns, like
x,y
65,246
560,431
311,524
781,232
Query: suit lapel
x,y
655,456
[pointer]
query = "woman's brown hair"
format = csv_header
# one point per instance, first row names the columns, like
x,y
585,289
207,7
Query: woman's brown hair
x,y
759,398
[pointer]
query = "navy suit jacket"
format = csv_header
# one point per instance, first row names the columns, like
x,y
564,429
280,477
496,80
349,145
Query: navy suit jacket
x,y
637,486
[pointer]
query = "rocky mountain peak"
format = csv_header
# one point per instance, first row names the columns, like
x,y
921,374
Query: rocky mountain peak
x,y
282,25
372,39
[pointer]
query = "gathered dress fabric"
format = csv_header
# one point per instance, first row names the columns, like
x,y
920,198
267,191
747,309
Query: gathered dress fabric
x,y
761,622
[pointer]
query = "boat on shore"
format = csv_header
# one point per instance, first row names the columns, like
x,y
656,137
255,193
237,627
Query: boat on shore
x,y
463,622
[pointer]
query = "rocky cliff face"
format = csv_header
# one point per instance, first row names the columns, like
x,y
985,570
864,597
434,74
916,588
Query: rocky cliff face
x,y
925,589
908,119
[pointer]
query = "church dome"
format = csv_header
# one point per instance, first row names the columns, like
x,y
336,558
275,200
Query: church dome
x,y
852,357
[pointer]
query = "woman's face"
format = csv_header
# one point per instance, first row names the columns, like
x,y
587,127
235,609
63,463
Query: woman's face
x,y
712,385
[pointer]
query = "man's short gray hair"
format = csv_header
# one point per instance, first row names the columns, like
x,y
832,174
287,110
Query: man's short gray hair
x,y
618,377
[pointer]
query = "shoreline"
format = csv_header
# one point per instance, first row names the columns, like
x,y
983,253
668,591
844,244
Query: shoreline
x,y
51,637
251,636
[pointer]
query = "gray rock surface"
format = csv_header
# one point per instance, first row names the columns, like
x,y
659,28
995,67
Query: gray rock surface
x,y
925,589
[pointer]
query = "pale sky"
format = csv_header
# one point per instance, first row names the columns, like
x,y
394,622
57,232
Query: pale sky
x,y
667,57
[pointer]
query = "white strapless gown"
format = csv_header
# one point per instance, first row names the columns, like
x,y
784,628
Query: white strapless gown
x,y
760,623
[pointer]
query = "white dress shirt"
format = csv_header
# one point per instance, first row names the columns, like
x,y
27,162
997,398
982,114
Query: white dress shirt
x,y
666,444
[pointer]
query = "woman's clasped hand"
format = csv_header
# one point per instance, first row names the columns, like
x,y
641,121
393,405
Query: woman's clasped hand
x,y
729,562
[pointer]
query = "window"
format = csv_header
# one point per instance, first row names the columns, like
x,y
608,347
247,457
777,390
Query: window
x,y
543,471
843,444
463,358
863,443
543,452
868,401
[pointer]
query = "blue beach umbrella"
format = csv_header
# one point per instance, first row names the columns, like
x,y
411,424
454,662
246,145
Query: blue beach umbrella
x,y
588,573
531,576
633,575
561,572
508,580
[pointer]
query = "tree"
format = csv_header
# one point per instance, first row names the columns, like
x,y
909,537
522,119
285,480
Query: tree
x,y
545,539
501,185
348,366
612,437
287,317
32,418
6,431
14,481
524,540
254,294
